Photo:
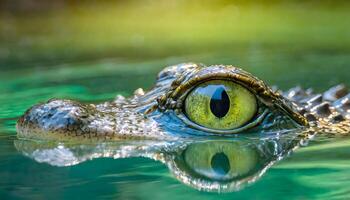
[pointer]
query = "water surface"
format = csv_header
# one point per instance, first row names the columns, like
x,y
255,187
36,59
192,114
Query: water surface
x,y
318,170
286,45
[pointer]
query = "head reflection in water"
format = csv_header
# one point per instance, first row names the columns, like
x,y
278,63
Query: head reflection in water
x,y
210,165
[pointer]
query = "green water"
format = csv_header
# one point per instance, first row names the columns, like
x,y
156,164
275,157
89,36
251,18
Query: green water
x,y
286,45
319,170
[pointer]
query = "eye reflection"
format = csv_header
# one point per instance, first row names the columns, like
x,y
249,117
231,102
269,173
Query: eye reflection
x,y
220,160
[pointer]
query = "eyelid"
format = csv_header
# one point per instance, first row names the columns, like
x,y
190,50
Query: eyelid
x,y
173,98
262,92
181,91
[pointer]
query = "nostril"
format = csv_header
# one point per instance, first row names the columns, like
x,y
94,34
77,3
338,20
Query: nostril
x,y
57,116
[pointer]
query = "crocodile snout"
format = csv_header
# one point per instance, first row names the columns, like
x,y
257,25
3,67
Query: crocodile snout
x,y
61,117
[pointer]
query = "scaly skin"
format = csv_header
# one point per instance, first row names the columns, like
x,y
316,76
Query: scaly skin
x,y
157,113
157,128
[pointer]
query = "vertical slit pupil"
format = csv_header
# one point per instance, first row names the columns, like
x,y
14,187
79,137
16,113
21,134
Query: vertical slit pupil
x,y
220,102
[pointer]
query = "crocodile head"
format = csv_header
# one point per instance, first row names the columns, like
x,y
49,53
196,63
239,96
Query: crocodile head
x,y
217,128
192,99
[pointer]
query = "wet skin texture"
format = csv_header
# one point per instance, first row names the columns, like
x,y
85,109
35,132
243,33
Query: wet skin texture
x,y
159,113
160,125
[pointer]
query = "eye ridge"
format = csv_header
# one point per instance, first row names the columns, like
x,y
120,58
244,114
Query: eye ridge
x,y
220,102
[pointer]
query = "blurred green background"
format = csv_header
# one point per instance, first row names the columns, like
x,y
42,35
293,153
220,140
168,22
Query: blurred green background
x,y
40,32
90,50
93,50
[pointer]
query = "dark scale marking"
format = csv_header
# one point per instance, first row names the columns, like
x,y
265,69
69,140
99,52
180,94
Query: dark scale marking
x,y
220,102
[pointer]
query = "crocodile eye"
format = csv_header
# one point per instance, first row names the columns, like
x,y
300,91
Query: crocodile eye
x,y
220,105
221,160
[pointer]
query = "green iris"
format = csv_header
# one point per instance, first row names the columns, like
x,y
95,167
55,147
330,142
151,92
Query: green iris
x,y
220,104
221,160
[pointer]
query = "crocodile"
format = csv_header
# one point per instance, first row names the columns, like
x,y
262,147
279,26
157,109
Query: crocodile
x,y
217,128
